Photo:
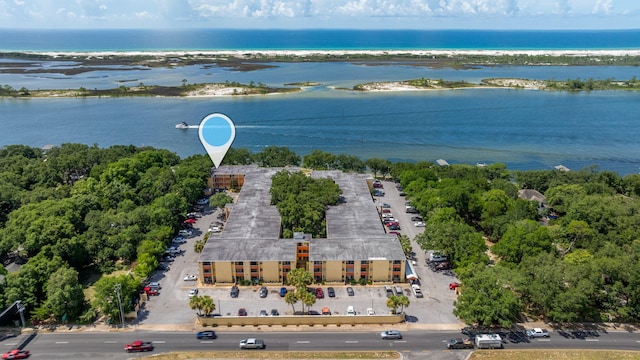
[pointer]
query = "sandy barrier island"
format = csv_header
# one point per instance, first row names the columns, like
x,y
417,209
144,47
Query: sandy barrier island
x,y
311,53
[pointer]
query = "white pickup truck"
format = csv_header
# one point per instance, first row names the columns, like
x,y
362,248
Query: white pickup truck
x,y
537,333
417,292
252,344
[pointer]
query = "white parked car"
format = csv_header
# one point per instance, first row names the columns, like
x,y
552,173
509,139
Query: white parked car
x,y
370,311
537,333
437,257
193,292
190,278
215,229
419,224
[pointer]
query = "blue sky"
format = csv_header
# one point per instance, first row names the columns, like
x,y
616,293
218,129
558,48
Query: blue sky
x,y
322,14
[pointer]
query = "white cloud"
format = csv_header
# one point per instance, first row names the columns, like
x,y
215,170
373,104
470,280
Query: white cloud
x,y
478,7
603,7
320,13
562,7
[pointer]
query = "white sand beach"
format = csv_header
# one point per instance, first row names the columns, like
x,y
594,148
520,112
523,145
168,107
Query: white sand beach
x,y
307,53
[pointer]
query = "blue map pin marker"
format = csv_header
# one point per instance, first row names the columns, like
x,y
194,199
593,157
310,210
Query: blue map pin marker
x,y
216,132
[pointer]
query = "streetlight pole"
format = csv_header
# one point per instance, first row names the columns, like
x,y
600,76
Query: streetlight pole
x,y
117,288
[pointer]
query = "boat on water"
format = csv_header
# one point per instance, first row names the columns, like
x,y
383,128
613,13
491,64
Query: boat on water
x,y
182,125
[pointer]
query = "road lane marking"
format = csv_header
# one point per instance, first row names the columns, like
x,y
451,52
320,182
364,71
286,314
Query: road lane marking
x,y
351,342
110,342
400,341
303,342
158,342
62,342
591,339
544,339
206,342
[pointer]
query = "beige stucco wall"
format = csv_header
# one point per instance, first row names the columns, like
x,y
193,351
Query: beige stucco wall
x,y
271,272
380,270
299,320
333,271
223,271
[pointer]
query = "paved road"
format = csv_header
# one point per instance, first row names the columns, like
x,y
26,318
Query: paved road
x,y
414,345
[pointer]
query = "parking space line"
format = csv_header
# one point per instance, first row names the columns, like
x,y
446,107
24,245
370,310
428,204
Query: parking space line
x,y
303,342
351,342
591,339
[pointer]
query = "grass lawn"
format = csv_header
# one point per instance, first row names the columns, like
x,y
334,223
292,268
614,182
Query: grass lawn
x,y
555,355
289,355
477,355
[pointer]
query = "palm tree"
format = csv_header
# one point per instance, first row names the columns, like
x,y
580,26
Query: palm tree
x,y
307,299
291,298
392,303
208,305
299,278
403,301
195,303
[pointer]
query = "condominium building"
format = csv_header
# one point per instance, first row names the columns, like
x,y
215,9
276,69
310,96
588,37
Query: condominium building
x,y
250,247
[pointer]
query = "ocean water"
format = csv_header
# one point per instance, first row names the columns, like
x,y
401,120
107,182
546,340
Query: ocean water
x,y
521,128
214,39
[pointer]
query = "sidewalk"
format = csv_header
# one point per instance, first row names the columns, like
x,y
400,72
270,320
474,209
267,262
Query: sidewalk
x,y
608,327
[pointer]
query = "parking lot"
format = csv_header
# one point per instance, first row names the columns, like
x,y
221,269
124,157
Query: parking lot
x,y
171,306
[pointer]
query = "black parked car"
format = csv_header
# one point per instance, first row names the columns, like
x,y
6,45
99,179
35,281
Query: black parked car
x,y
235,291
331,292
350,291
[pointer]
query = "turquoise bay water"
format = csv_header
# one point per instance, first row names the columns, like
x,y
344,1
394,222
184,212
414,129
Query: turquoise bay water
x,y
524,129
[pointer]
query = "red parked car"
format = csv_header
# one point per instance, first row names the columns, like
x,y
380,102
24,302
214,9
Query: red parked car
x,y
151,291
453,285
319,293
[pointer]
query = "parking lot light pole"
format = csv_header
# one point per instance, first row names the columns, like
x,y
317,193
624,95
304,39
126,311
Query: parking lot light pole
x,y
117,288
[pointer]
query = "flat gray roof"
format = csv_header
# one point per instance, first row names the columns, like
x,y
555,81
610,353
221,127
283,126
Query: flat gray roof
x,y
384,246
354,229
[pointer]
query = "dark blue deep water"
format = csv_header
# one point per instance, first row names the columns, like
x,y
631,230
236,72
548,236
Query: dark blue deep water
x,y
208,39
